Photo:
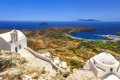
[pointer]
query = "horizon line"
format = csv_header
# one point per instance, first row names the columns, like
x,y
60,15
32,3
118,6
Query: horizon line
x,y
59,20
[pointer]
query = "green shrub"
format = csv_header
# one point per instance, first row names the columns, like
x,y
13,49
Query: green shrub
x,y
76,64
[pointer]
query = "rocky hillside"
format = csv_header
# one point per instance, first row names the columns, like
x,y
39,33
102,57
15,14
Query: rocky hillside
x,y
51,31
55,30
51,40
4,31
15,67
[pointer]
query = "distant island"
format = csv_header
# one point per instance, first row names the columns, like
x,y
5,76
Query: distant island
x,y
43,23
88,20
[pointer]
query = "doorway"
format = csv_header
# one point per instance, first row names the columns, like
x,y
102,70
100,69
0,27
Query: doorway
x,y
16,49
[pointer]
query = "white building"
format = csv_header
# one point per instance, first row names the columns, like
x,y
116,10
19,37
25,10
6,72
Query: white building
x,y
14,41
46,55
64,65
104,66
57,61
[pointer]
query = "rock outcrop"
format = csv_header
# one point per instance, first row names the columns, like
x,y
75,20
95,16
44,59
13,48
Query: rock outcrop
x,y
15,67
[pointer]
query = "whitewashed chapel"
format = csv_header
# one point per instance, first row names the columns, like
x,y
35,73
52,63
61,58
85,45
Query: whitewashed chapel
x,y
14,41
104,66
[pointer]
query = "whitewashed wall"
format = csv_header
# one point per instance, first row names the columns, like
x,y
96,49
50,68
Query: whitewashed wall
x,y
4,45
22,42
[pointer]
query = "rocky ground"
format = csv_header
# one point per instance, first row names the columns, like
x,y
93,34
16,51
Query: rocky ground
x,y
15,66
82,75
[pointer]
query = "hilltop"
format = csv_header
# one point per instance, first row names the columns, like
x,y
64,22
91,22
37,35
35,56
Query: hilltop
x,y
52,31
55,31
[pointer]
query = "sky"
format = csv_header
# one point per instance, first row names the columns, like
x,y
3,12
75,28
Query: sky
x,y
59,10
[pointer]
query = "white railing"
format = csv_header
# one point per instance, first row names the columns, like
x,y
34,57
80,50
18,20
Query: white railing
x,y
3,73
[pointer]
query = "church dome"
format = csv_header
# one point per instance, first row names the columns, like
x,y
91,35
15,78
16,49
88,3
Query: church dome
x,y
105,58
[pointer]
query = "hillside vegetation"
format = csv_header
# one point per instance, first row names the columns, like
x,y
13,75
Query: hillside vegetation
x,y
74,51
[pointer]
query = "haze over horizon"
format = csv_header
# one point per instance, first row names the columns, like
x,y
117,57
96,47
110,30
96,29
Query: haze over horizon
x,y
59,10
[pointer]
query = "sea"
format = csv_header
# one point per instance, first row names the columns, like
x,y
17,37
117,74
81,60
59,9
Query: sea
x,y
102,27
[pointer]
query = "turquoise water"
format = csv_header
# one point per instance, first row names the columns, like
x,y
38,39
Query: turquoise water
x,y
102,27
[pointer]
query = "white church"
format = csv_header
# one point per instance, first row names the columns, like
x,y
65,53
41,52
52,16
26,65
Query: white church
x,y
104,66
13,41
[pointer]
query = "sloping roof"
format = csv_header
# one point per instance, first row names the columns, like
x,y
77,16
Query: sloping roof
x,y
111,77
7,36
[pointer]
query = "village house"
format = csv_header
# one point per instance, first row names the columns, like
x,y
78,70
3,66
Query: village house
x,y
104,66
13,41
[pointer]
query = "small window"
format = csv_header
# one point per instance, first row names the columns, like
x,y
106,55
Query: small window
x,y
111,69
19,46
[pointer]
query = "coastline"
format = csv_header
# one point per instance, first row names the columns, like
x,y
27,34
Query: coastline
x,y
111,37
73,36
67,30
86,39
